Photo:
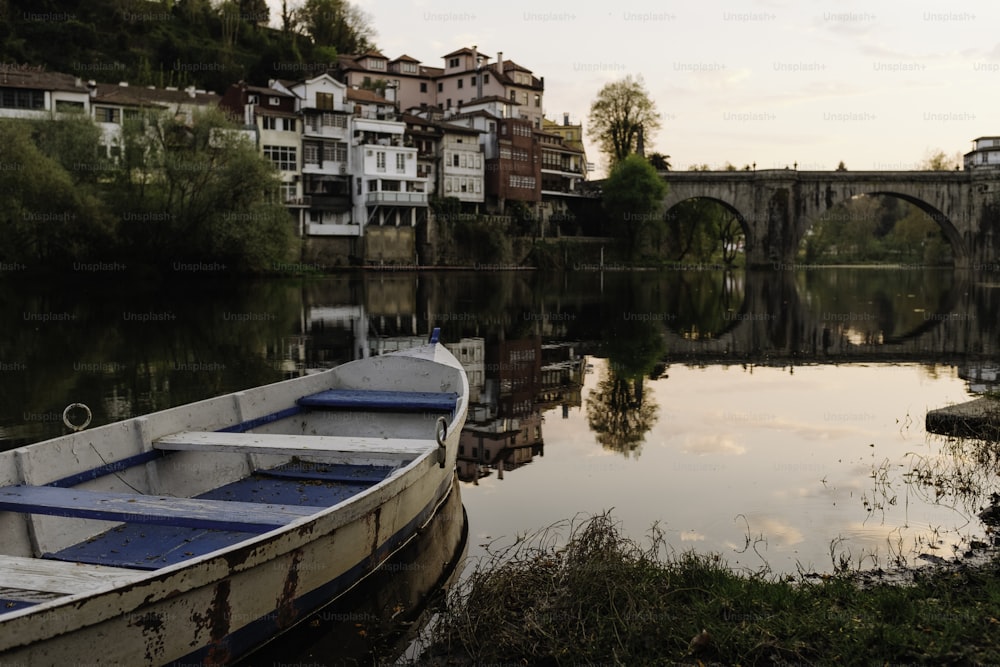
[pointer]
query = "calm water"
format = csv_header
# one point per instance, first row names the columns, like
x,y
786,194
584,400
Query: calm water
x,y
776,418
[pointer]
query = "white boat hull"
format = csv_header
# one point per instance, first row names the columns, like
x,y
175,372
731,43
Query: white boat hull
x,y
215,608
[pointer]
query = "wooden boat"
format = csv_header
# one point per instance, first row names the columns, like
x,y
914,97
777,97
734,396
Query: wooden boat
x,y
195,534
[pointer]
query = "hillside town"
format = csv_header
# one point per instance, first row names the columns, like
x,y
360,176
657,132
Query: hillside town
x,y
365,148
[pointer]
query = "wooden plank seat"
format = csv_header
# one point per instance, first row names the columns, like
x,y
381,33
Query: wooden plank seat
x,y
139,508
371,399
51,576
334,448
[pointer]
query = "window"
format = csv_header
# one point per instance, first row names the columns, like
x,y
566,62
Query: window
x,y
454,62
380,160
108,115
538,100
472,80
269,122
463,160
460,82
400,162
273,101
448,104
335,152
324,101
376,63
486,79
288,124
454,158
283,157
423,87
334,120
410,68
513,96
440,87
289,192
310,154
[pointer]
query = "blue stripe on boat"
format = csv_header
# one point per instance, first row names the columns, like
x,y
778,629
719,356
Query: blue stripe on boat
x,y
8,604
107,469
367,399
260,421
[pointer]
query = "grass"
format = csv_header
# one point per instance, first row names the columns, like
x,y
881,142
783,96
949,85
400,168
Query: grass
x,y
600,598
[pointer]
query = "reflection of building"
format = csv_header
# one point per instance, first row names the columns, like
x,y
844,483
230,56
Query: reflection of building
x,y
981,377
502,444
561,378
503,430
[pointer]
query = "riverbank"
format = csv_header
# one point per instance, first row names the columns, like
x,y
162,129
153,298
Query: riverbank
x,y
979,418
605,599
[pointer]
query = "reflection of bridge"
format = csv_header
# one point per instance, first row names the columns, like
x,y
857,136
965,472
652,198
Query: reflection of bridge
x,y
777,206
777,325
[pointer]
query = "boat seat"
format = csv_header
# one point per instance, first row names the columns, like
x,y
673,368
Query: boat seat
x,y
333,448
51,576
139,508
371,399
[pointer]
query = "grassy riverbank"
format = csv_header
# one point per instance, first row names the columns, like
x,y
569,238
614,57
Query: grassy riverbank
x,y
605,599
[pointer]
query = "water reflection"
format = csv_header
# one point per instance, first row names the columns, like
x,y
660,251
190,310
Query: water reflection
x,y
712,377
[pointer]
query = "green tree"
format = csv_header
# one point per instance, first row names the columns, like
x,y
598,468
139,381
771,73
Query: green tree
x,y
200,193
337,23
632,197
47,220
622,109
659,161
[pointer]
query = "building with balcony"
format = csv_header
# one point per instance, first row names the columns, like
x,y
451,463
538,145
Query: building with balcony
x,y
389,198
326,115
463,166
467,75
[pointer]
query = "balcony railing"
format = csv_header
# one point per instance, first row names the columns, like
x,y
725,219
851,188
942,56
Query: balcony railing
x,y
397,198
320,201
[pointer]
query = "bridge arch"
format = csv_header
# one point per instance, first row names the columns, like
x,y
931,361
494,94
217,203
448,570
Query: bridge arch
x,y
777,206
743,221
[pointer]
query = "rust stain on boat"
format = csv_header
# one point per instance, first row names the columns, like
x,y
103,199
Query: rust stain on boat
x,y
287,613
217,621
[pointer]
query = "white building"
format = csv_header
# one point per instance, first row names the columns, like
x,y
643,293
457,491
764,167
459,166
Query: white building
x,y
387,190
326,157
985,154
28,91
462,164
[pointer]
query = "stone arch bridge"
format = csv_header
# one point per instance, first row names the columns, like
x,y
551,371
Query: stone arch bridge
x,y
776,207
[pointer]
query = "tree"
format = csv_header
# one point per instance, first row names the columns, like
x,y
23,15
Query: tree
x,y
337,23
659,161
633,195
199,192
939,161
621,109
47,220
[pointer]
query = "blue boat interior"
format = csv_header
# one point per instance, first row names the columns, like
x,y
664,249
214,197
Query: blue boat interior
x,y
148,546
180,530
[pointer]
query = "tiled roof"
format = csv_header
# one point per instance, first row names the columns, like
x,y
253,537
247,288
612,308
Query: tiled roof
x,y
27,76
362,95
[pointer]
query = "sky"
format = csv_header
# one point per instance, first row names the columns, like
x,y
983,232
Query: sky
x,y
878,85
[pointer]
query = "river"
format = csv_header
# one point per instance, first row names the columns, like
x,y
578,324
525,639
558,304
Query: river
x,y
776,418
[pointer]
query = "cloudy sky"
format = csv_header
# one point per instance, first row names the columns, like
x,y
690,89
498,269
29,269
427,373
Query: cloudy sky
x,y
877,84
